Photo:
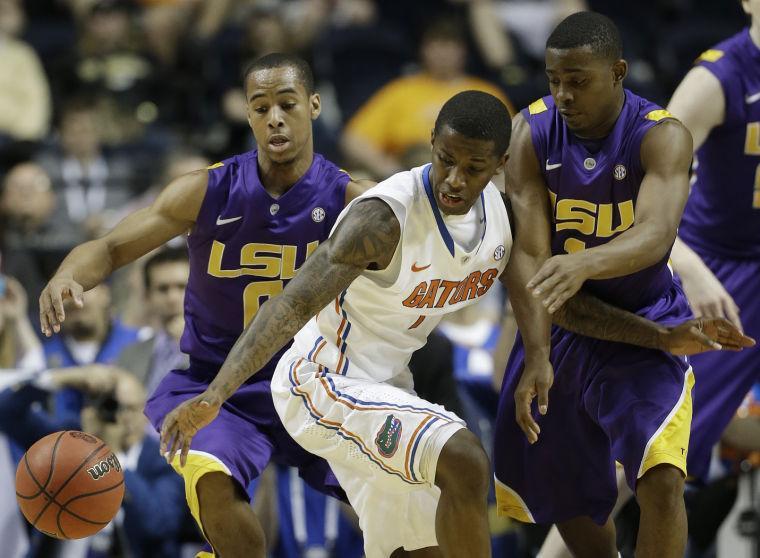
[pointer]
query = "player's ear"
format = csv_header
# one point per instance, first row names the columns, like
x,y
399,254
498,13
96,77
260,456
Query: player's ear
x,y
432,136
619,70
502,163
315,103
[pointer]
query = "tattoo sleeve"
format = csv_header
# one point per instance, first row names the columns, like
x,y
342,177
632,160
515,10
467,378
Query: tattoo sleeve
x,y
366,238
589,316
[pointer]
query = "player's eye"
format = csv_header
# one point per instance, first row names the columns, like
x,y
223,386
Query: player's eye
x,y
445,160
260,110
288,106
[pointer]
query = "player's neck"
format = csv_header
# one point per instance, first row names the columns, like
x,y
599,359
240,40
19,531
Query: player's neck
x,y
754,33
277,178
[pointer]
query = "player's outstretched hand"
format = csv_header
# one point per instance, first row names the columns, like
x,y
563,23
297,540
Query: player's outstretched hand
x,y
183,423
51,302
704,334
707,296
558,280
536,380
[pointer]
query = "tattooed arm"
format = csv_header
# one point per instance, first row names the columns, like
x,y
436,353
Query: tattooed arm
x,y
366,238
589,316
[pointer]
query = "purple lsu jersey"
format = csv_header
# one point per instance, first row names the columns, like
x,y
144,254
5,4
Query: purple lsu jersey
x,y
722,216
245,247
593,188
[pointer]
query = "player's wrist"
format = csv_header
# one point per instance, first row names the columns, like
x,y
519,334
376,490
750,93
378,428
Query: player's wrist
x,y
662,336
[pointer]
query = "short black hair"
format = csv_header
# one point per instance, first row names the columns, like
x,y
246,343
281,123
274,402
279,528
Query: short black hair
x,y
477,115
588,29
166,255
283,60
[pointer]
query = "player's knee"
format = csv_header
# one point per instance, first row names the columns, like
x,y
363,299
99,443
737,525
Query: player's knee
x,y
463,465
661,486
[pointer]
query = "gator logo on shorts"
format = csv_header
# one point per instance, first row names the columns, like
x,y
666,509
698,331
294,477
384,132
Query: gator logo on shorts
x,y
388,437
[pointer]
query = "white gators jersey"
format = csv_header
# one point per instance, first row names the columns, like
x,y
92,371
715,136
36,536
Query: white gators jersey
x,y
371,330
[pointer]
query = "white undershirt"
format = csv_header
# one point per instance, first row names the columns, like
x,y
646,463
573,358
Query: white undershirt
x,y
467,229
84,352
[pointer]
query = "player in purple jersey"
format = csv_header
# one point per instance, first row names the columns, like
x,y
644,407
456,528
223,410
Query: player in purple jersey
x,y
719,256
252,221
616,170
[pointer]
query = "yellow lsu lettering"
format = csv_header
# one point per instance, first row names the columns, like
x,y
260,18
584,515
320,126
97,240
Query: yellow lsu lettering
x,y
258,260
269,261
589,218
752,147
437,292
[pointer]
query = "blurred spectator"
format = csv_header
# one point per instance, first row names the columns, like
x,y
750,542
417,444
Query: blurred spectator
x,y
89,335
153,511
89,182
312,525
359,52
19,348
401,115
25,104
109,65
32,240
165,276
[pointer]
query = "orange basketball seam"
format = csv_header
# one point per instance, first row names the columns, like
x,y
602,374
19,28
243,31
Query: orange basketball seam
x,y
67,481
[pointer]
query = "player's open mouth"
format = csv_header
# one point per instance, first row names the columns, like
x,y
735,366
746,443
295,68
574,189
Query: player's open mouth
x,y
450,200
278,143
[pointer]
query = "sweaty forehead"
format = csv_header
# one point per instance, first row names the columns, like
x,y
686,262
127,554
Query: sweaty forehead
x,y
271,80
582,59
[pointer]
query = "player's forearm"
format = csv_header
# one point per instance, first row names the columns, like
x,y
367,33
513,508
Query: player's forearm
x,y
276,323
685,260
88,264
587,315
640,247
533,321
280,318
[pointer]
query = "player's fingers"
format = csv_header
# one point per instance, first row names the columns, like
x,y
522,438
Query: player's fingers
x,y
185,450
45,326
731,337
704,339
525,418
559,299
176,438
544,273
60,315
731,311
166,432
77,294
543,397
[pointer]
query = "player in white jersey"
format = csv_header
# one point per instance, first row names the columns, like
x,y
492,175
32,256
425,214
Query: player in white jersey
x,y
419,245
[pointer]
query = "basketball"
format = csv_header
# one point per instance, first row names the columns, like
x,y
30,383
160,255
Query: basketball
x,y
69,485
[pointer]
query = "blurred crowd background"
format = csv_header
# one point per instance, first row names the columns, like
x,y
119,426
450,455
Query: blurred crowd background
x,y
102,102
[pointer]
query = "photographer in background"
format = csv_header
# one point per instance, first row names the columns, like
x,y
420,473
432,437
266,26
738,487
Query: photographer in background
x,y
153,510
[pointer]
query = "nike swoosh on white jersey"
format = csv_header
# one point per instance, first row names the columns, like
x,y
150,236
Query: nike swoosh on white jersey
x,y
220,221
552,166
749,99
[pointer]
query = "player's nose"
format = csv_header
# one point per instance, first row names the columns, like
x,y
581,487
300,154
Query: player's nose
x,y
455,179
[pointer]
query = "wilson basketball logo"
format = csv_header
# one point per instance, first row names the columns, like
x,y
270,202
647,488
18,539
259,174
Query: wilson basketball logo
x,y
98,471
388,437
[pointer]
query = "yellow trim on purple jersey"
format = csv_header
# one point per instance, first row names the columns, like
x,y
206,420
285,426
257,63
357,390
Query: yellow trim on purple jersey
x,y
214,166
510,504
670,444
657,115
710,55
204,554
537,107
